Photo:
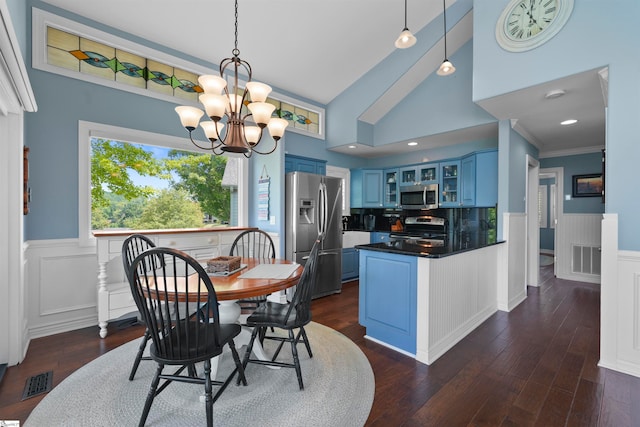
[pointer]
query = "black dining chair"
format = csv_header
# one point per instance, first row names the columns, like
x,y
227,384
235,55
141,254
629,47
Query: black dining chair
x,y
178,336
133,246
253,244
293,315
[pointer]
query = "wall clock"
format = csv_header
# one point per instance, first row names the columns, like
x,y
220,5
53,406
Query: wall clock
x,y
526,24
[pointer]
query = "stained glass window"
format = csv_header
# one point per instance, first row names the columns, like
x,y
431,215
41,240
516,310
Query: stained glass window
x,y
86,58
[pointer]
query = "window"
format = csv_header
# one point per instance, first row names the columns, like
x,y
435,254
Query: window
x,y
68,48
93,131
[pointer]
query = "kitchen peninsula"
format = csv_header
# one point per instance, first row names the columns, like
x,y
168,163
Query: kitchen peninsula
x,y
420,299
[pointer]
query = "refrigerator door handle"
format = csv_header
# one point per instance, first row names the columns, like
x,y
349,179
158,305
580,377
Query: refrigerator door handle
x,y
322,210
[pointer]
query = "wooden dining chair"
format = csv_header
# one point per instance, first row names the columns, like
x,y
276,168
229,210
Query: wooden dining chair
x,y
178,336
289,317
133,246
253,244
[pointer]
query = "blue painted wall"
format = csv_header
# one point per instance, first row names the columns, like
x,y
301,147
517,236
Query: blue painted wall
x,y
586,42
437,105
577,165
343,112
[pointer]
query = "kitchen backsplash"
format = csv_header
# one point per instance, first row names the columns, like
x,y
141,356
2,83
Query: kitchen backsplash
x,y
458,219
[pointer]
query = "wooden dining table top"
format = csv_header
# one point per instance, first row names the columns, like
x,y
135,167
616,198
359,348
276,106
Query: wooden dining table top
x,y
233,287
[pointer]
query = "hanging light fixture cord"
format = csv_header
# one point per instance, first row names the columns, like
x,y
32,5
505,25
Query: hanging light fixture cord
x,y
405,15
444,9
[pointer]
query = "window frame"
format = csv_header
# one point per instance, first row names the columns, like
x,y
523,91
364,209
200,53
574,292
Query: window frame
x,y
88,130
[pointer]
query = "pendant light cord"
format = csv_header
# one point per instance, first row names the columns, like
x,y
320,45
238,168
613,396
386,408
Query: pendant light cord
x,y
405,15
444,11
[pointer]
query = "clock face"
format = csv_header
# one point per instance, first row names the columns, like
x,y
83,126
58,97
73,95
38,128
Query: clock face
x,y
528,18
525,24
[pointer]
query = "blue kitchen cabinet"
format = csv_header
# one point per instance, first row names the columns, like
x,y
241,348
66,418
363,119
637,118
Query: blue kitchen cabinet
x,y
366,188
379,237
408,175
388,298
468,181
304,164
428,173
450,184
486,178
390,183
350,264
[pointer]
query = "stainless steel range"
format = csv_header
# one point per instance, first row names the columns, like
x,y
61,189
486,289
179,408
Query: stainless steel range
x,y
424,230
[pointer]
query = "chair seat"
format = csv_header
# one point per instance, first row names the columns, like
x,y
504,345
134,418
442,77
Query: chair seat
x,y
273,314
199,343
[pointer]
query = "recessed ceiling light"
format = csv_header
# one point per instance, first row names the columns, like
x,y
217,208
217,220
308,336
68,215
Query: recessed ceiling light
x,y
412,143
352,146
556,93
569,122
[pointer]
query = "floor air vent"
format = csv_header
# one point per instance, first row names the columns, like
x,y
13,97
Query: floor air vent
x,y
37,384
586,259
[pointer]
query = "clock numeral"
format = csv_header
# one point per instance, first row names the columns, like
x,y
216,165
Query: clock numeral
x,y
514,30
547,3
520,33
550,10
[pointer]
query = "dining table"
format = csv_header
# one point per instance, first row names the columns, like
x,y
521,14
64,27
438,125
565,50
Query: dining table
x,y
255,277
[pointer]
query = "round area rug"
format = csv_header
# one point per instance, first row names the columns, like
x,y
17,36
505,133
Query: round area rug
x,y
545,260
338,391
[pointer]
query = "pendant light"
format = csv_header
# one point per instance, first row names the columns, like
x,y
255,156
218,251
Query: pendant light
x,y
224,106
446,68
406,38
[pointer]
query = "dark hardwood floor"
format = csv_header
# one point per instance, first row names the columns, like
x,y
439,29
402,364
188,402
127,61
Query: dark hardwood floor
x,y
536,365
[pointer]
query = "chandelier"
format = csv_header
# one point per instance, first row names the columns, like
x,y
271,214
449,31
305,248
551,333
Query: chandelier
x,y
225,109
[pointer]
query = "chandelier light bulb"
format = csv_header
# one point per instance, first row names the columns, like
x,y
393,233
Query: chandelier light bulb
x,y
261,112
252,134
212,130
214,105
189,116
258,91
212,84
276,127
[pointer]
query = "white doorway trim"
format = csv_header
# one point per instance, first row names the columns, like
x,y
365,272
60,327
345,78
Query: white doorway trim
x,y
558,174
532,258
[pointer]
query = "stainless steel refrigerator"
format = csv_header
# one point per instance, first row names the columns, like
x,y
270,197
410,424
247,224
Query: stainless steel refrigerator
x,y
313,207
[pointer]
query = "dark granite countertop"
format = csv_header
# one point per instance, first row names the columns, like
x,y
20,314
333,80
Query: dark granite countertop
x,y
454,244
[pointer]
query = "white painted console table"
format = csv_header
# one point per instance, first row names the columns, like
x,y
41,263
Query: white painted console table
x,y
114,294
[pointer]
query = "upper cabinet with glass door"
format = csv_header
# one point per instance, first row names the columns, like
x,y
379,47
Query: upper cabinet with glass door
x,y
449,184
428,173
390,178
419,174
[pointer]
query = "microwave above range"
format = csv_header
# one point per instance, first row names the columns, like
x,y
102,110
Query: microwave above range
x,y
419,196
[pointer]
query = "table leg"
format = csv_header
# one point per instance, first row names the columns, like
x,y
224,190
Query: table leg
x,y
230,313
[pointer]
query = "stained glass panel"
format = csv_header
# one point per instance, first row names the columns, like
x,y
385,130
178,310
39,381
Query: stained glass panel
x,y
131,69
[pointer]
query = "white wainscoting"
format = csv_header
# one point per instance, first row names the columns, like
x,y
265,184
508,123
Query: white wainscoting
x,y
453,301
62,284
512,281
620,303
577,229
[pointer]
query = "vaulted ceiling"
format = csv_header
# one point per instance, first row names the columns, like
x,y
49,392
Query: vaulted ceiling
x,y
317,48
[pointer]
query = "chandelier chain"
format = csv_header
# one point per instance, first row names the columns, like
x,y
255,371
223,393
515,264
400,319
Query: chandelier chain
x,y
236,52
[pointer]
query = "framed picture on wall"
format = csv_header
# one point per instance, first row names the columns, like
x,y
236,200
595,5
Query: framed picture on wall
x,y
587,185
